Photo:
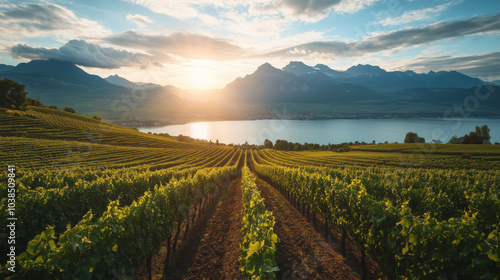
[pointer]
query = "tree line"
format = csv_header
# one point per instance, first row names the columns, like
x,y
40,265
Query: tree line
x,y
480,136
284,145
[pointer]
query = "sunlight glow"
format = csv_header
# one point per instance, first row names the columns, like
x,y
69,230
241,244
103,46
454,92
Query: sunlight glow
x,y
201,76
199,130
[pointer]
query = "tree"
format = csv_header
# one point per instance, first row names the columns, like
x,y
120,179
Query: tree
x,y
455,140
485,134
69,109
412,137
99,118
34,102
297,147
481,135
12,95
268,144
54,107
281,145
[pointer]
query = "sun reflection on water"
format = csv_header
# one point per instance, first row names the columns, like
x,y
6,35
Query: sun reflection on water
x,y
199,130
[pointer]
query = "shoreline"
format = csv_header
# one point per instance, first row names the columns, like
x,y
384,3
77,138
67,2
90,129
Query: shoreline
x,y
156,123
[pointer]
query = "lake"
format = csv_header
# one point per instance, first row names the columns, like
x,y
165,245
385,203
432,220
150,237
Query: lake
x,y
328,131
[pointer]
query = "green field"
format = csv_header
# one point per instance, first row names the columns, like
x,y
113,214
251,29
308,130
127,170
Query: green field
x,y
430,148
95,200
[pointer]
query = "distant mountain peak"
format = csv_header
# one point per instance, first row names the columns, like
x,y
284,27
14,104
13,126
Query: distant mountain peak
x,y
120,81
5,67
266,65
322,67
50,66
365,69
296,63
298,68
266,68
61,70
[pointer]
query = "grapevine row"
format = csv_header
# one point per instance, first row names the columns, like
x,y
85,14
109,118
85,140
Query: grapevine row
x,y
122,238
403,245
259,240
38,208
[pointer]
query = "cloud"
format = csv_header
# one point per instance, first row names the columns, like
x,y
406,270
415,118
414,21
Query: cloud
x,y
309,9
82,53
418,15
35,20
352,6
185,45
174,8
397,40
439,31
306,10
139,20
482,65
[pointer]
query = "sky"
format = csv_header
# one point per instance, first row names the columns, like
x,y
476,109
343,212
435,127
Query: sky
x,y
206,44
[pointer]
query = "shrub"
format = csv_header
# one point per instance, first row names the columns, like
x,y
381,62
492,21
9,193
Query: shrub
x,y
69,109
412,137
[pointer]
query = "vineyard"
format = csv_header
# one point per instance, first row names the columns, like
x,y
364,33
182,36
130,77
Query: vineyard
x,y
98,201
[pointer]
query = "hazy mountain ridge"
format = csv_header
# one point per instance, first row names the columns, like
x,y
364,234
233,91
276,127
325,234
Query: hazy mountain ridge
x,y
5,67
63,71
119,81
269,84
309,92
65,84
379,79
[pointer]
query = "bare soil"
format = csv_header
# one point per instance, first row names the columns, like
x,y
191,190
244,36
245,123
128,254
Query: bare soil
x,y
219,251
301,252
211,248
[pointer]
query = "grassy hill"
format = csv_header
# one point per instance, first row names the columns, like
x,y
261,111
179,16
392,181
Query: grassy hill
x,y
41,137
53,124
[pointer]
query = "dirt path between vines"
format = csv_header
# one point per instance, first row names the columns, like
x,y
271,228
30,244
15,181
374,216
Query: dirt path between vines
x,y
301,252
219,251
211,248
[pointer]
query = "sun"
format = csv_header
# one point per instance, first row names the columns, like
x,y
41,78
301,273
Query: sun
x,y
201,75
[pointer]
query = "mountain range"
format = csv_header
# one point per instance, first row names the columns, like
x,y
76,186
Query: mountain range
x,y
64,84
378,79
306,92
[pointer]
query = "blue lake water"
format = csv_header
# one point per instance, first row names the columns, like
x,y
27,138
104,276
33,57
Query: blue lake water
x,y
328,131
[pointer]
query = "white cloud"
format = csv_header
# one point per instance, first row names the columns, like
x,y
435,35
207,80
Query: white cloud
x,y
185,45
304,10
175,8
400,39
139,19
418,15
352,6
35,20
82,53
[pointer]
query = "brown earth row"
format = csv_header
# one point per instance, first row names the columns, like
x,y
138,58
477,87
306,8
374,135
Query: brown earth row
x,y
210,250
301,252
218,254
